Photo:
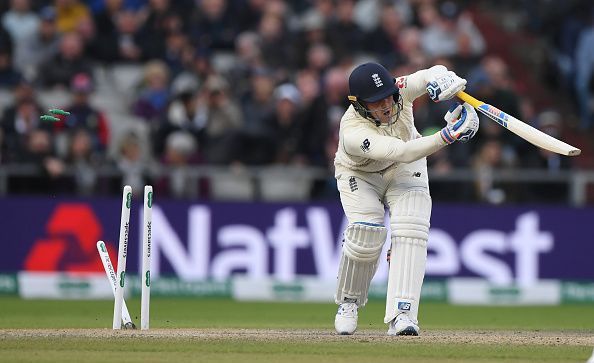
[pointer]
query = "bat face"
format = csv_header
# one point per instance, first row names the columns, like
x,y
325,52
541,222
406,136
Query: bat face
x,y
522,129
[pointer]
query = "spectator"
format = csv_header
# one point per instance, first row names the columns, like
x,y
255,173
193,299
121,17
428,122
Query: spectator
x,y
18,122
368,12
154,94
180,152
449,32
409,45
250,13
122,43
313,31
319,58
182,42
106,18
488,160
491,83
161,19
550,123
134,167
249,60
84,161
9,77
221,118
336,90
196,69
38,154
215,28
287,126
84,116
344,35
325,8
88,34
70,61
182,115
43,46
247,48
69,14
257,102
257,105
318,108
22,24
176,46
275,45
385,40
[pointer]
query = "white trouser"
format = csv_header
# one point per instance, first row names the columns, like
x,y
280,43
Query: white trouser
x,y
364,197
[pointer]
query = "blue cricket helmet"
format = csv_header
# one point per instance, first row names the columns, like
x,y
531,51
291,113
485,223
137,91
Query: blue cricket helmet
x,y
371,82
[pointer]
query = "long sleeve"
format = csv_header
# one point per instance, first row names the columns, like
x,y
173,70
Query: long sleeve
x,y
369,145
414,85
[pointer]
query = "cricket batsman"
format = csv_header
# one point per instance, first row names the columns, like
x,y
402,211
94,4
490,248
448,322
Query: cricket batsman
x,y
381,162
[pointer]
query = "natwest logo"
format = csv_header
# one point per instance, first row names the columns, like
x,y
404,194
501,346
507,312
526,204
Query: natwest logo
x,y
289,243
72,233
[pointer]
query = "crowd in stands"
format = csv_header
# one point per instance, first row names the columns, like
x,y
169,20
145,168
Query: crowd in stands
x,y
568,30
240,83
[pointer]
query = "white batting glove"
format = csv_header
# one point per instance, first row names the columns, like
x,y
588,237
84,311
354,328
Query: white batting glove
x,y
463,123
445,86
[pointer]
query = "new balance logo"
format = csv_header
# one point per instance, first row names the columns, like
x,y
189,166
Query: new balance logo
x,y
416,174
377,80
402,305
365,145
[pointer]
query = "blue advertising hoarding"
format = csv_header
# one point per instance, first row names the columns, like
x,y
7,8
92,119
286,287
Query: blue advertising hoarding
x,y
199,241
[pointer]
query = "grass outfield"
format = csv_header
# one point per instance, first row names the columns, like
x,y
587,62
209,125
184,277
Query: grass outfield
x,y
204,330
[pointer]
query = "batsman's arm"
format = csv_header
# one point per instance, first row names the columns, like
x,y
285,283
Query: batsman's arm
x,y
414,85
380,147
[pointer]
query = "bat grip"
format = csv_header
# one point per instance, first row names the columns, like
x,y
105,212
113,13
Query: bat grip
x,y
469,99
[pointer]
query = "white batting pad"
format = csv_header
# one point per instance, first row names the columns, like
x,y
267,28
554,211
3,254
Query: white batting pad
x,y
360,252
410,231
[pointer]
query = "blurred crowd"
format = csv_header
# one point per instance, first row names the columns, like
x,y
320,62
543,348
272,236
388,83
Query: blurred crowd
x,y
567,27
240,83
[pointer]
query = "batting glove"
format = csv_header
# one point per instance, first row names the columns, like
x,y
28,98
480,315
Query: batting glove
x,y
462,123
445,86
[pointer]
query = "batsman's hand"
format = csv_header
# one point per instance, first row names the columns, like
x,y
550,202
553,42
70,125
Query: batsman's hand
x,y
444,86
462,123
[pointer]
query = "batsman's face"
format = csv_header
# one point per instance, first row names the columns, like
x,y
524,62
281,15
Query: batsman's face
x,y
383,110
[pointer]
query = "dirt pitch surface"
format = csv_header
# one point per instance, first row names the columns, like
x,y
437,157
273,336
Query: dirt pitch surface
x,y
548,338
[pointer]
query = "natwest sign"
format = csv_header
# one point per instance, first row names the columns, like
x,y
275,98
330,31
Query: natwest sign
x,y
478,252
284,248
214,241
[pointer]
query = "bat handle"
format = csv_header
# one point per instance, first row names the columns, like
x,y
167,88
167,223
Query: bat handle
x,y
469,99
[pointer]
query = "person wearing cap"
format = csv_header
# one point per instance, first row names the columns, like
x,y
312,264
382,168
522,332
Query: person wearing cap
x,y
286,125
381,163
